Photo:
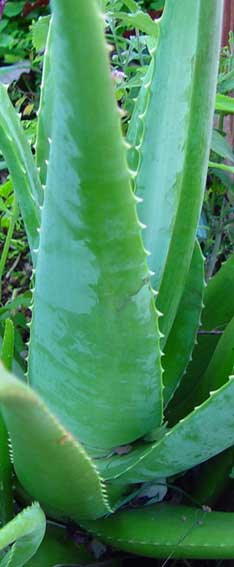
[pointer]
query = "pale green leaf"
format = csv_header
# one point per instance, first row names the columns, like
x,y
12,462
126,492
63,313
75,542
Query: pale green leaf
x,y
224,104
24,533
175,146
50,464
40,30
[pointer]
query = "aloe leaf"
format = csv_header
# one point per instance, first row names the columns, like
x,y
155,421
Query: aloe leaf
x,y
187,444
44,123
224,104
25,533
57,547
217,313
174,162
6,477
164,531
18,156
181,339
50,464
220,146
94,339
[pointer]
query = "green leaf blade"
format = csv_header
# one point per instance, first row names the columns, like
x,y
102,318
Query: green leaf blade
x,y
164,531
25,532
224,104
184,446
98,328
50,464
172,174
23,172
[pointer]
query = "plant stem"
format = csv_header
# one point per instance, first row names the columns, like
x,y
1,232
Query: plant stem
x,y
13,219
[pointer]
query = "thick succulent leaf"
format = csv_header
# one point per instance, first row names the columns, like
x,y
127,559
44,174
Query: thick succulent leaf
x,y
18,156
44,124
175,148
94,352
192,441
218,311
181,339
50,464
24,533
58,548
224,104
220,146
165,531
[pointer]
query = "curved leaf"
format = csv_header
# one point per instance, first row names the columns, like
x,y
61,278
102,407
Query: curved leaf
x,y
25,533
167,532
224,104
50,464
175,147
193,440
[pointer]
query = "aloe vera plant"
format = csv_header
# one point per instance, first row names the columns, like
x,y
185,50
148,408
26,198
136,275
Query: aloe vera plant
x,y
119,291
